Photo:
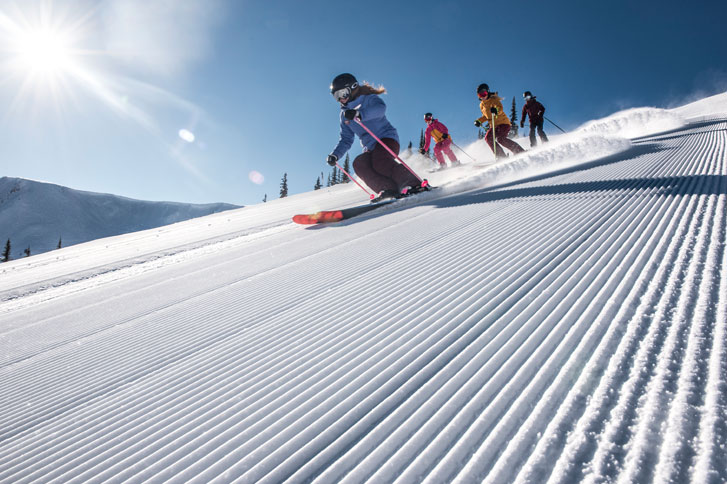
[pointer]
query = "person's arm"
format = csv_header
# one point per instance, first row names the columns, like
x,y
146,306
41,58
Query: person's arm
x,y
485,111
373,107
427,137
498,106
345,141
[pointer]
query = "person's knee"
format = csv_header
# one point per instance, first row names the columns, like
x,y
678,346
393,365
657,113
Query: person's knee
x,y
360,161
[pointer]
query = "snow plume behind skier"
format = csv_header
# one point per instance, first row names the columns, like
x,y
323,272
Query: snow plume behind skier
x,y
493,112
375,166
442,141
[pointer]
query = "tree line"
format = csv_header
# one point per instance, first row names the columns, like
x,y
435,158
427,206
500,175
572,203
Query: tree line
x,y
7,251
335,177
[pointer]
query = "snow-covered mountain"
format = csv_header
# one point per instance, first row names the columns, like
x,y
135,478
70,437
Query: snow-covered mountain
x,y
38,215
559,317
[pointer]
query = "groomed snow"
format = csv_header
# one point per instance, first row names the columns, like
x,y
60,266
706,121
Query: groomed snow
x,y
559,317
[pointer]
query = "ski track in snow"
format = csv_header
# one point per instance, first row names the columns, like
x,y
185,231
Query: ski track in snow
x,y
561,317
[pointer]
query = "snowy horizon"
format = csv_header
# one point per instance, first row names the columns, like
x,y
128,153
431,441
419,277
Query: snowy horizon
x,y
558,317
40,215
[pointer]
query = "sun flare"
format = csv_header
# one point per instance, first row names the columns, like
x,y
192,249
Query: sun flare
x,y
42,59
56,61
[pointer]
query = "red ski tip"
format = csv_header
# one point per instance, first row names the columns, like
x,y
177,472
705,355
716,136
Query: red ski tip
x,y
319,217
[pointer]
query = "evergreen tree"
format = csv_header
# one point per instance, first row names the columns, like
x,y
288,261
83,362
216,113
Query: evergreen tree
x,y
347,167
409,148
265,198
27,252
318,185
284,186
59,243
6,252
335,176
513,120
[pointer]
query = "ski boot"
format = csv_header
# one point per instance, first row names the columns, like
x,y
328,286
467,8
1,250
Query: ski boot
x,y
412,190
385,195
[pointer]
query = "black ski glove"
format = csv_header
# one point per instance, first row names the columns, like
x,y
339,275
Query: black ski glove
x,y
350,114
331,160
493,110
478,123
445,136
421,150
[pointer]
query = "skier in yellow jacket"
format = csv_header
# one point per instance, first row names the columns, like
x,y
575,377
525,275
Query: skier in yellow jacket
x,y
491,107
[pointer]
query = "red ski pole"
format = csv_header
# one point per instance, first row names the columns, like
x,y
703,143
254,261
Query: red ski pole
x,y
371,195
423,182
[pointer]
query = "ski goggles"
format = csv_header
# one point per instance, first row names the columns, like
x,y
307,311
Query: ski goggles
x,y
482,93
427,118
342,94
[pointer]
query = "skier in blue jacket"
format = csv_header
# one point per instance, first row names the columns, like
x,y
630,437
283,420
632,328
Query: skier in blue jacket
x,y
375,166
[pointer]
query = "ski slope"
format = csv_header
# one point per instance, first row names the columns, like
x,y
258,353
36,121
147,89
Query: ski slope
x,y
560,317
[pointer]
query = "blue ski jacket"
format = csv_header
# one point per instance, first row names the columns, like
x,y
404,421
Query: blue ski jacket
x,y
373,114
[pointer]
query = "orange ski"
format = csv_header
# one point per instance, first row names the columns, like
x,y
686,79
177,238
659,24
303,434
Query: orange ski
x,y
329,216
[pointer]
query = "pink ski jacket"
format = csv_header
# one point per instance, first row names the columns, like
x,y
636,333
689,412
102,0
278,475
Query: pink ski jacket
x,y
435,130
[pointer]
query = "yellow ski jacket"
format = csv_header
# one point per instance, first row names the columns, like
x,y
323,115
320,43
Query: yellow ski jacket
x,y
493,100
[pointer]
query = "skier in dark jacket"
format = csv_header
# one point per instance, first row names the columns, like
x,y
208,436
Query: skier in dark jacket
x,y
376,167
536,111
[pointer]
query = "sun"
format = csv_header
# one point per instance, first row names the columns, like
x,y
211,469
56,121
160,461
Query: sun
x,y
41,63
44,51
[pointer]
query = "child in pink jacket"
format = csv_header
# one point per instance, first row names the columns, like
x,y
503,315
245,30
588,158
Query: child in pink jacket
x,y
442,141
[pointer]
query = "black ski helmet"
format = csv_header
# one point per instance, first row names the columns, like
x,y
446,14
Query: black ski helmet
x,y
527,93
343,80
428,116
483,87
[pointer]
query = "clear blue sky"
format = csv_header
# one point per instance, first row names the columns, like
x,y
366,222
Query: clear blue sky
x,y
95,93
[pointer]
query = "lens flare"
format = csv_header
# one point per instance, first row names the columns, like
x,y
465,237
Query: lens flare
x,y
256,177
186,135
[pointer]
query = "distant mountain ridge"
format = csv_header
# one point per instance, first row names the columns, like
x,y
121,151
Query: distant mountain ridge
x,y
37,215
